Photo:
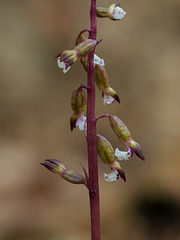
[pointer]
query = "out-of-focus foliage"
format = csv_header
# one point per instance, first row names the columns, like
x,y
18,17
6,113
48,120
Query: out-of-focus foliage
x,y
142,58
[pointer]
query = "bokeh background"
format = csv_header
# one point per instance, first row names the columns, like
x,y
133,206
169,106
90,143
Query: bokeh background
x,y
142,56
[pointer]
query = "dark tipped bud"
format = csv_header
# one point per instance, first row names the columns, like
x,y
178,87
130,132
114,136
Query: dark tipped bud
x,y
57,167
54,166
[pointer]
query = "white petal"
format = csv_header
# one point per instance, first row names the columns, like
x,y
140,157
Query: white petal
x,y
108,99
122,155
62,65
98,60
111,177
118,13
81,121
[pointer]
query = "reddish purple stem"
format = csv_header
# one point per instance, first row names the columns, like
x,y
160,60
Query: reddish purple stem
x,y
91,134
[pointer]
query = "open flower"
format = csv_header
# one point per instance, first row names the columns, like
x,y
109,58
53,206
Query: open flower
x,y
81,122
122,155
62,65
114,12
124,135
107,98
111,177
66,58
99,61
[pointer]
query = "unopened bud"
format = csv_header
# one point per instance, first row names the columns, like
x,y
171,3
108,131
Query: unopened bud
x,y
54,166
69,175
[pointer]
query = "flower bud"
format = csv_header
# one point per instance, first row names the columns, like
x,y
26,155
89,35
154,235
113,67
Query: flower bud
x,y
101,79
78,100
54,166
105,149
69,175
114,12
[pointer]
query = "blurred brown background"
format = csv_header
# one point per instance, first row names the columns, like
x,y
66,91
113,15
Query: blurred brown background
x,y
142,56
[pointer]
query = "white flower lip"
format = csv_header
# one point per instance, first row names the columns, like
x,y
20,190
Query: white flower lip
x,y
111,177
108,99
98,60
118,13
121,155
62,65
81,122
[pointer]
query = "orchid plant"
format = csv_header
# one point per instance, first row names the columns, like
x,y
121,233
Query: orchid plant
x,y
83,107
